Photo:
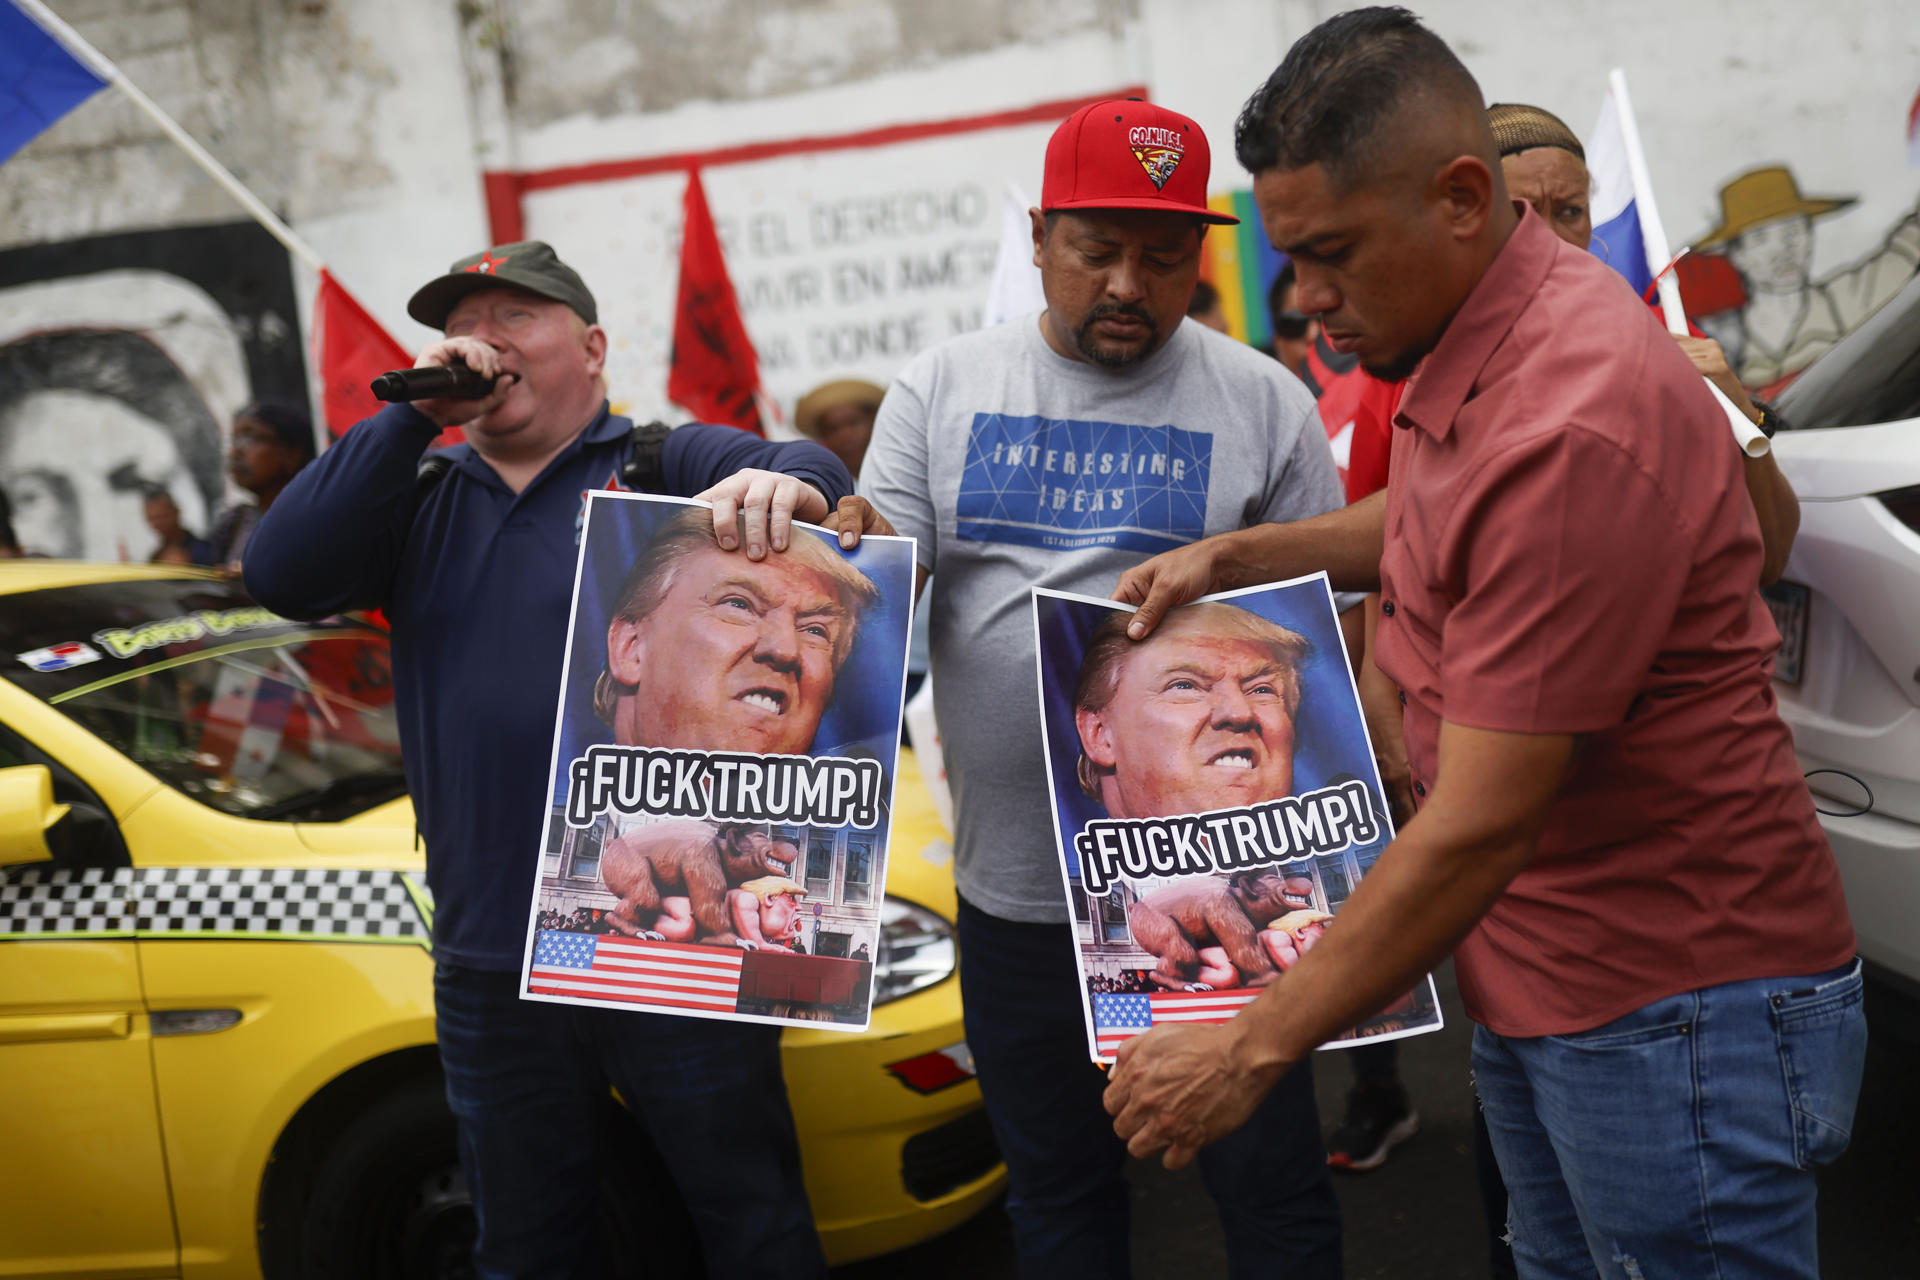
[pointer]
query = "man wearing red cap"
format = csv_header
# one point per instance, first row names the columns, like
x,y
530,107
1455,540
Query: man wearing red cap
x,y
1059,450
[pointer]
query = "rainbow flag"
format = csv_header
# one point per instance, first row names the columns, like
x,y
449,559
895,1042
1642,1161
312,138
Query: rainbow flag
x,y
1240,264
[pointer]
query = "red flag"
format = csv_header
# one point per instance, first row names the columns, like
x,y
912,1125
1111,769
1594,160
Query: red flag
x,y
715,375
352,350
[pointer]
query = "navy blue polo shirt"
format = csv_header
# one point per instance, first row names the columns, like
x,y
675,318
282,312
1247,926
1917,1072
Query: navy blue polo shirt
x,y
477,582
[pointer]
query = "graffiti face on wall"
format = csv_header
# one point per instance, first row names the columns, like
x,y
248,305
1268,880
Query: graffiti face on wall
x,y
1750,284
122,361
91,422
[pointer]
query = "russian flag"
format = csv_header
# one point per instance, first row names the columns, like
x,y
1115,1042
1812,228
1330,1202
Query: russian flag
x,y
1616,212
40,81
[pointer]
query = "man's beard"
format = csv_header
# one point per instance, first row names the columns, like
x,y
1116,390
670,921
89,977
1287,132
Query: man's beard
x,y
1402,365
1083,336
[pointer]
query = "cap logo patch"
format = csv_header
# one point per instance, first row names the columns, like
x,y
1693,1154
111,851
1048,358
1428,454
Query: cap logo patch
x,y
1159,152
488,264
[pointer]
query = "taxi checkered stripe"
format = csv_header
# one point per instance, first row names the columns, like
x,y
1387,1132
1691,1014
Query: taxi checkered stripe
x,y
252,902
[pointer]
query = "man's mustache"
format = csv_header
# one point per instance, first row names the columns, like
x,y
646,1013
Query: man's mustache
x,y
1106,310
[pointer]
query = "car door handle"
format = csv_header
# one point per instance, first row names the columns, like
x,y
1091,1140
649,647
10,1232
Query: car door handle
x,y
32,1028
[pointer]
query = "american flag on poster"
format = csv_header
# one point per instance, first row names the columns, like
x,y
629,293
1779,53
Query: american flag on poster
x,y
1119,1018
584,966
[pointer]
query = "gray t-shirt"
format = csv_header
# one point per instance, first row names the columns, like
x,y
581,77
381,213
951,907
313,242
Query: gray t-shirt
x,y
1016,467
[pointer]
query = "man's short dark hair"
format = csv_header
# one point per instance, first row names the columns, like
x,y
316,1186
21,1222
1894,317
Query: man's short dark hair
x,y
290,423
1341,84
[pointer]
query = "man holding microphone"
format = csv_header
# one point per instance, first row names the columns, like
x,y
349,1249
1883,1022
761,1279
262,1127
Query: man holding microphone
x,y
475,572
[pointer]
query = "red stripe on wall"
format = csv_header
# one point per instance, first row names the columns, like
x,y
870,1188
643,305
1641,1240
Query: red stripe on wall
x,y
505,217
505,189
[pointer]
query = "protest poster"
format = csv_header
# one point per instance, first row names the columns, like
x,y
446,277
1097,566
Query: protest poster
x,y
1215,801
723,767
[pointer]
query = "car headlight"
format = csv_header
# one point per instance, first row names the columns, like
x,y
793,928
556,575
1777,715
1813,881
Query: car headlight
x,y
916,950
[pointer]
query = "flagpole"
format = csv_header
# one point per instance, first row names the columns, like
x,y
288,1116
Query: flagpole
x,y
103,66
1753,442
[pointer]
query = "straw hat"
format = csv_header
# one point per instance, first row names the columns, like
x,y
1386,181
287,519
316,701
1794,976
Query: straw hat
x,y
1762,196
816,403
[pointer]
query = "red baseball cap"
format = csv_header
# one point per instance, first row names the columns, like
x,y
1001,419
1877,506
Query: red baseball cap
x,y
1126,153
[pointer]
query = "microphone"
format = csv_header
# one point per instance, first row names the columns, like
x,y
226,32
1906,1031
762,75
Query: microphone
x,y
433,381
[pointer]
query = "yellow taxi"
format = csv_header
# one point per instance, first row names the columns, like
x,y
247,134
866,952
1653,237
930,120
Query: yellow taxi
x,y
216,1013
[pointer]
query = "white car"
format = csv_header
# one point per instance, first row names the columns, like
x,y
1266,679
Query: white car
x,y
1848,674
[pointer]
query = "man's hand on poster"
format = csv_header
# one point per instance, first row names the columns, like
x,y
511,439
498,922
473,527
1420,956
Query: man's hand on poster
x,y
1345,543
762,505
1167,581
475,355
1177,1088
855,518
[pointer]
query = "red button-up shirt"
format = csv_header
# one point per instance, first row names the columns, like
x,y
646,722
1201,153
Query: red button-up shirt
x,y
1570,550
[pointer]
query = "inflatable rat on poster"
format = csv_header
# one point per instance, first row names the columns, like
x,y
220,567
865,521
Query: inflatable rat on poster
x,y
1203,932
672,878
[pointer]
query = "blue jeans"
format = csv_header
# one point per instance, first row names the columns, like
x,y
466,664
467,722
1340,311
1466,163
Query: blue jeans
x,y
1681,1139
528,1082
1066,1196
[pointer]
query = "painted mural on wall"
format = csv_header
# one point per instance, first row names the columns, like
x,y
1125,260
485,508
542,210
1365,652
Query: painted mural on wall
x,y
122,361
1749,283
846,263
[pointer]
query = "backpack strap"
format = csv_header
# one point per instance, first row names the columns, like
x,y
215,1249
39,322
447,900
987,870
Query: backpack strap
x,y
644,470
433,469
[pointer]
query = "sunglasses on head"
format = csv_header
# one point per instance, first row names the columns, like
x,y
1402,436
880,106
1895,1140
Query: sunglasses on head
x,y
1291,325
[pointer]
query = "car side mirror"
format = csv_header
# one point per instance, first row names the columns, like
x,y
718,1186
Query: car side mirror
x,y
32,827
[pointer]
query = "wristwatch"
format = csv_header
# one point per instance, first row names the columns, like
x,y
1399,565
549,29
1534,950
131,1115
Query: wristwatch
x,y
1768,421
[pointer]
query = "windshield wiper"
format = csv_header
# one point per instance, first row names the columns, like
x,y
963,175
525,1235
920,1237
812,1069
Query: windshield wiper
x,y
346,796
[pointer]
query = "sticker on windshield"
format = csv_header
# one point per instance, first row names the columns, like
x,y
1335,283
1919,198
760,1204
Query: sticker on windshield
x,y
58,657
124,642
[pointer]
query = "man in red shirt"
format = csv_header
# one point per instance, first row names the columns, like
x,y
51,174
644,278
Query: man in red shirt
x,y
1613,836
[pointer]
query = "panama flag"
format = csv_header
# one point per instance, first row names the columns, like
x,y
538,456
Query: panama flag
x,y
1616,211
59,657
39,80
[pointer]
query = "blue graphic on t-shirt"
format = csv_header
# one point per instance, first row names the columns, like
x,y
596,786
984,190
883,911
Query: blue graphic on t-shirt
x,y
1063,484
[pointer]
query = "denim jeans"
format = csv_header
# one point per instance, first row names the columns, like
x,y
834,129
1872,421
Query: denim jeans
x,y
528,1080
1066,1196
1680,1140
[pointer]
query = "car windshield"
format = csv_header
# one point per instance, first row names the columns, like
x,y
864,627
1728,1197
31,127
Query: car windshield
x,y
221,699
1872,375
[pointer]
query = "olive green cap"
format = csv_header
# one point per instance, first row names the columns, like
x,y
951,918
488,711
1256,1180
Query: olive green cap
x,y
531,265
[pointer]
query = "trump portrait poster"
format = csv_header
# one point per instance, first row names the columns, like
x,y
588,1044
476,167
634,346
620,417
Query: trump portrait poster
x,y
723,765
1215,801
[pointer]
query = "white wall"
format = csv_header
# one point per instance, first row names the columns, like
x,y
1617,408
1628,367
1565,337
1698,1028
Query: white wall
x,y
367,122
